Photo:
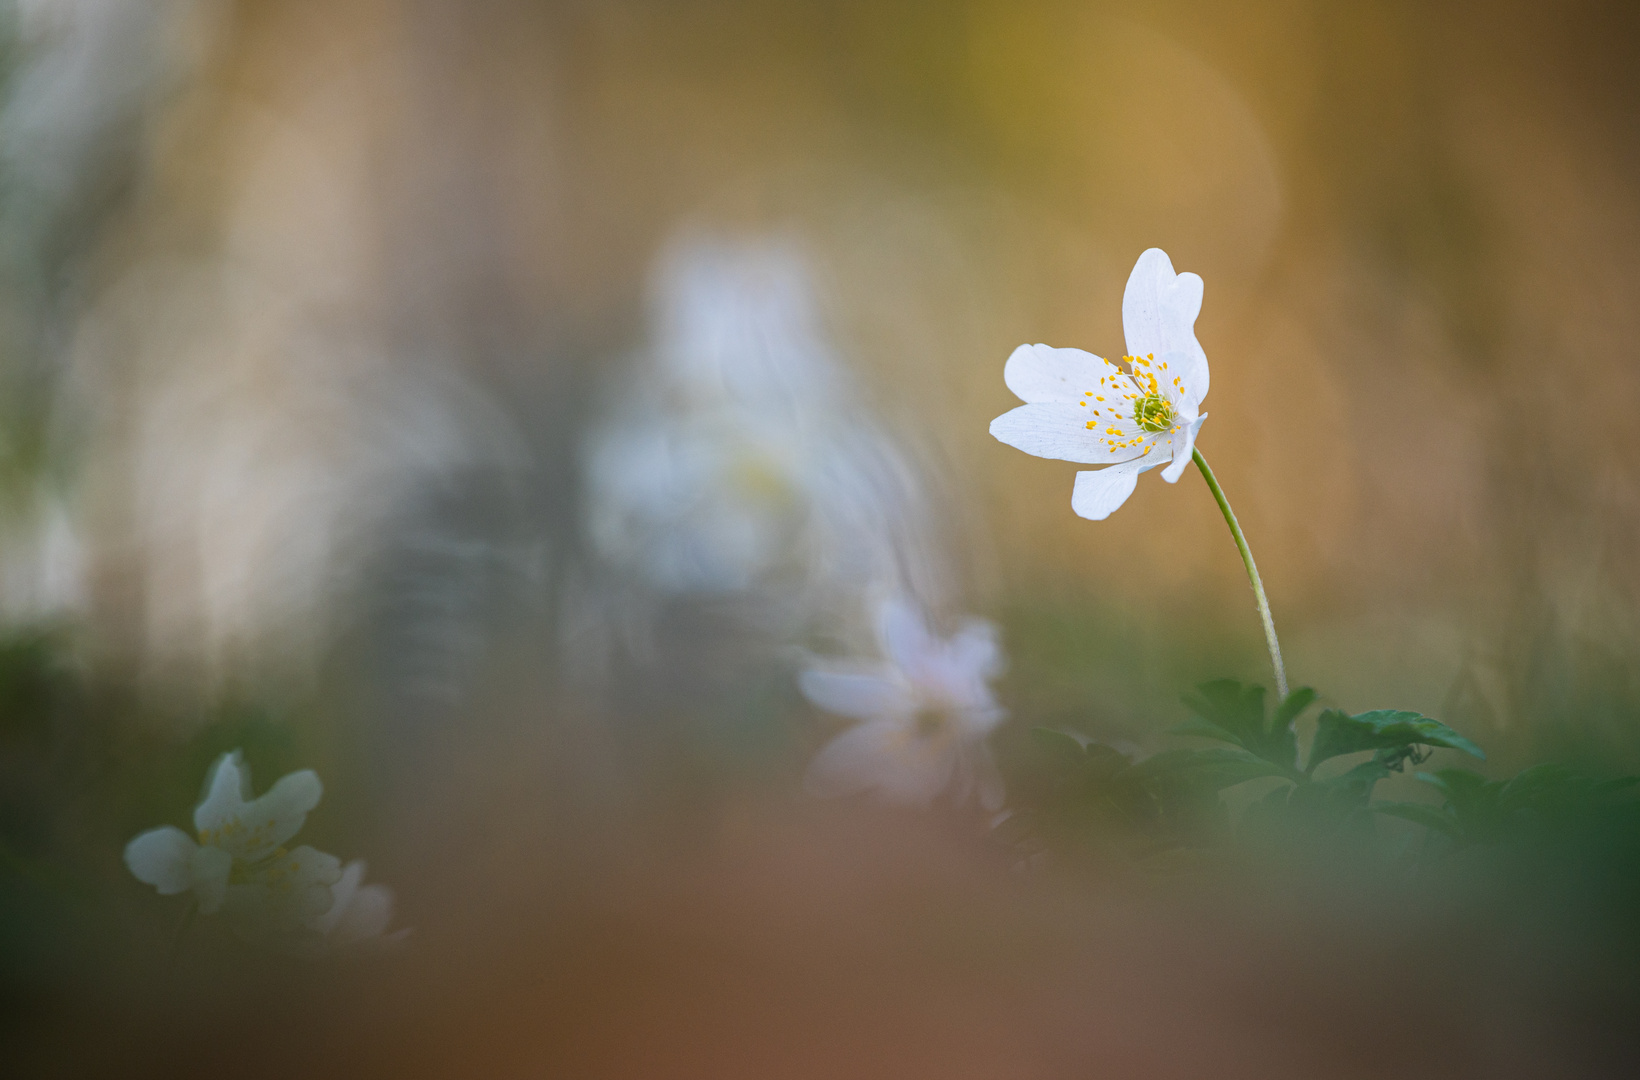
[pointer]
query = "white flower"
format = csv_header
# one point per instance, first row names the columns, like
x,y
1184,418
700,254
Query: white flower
x,y
359,913
1082,408
924,714
239,862
738,459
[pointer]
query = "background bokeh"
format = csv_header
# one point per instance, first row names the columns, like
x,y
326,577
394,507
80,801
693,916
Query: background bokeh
x,y
311,310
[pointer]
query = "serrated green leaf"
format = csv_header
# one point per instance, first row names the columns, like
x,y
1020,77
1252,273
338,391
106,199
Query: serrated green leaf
x,y
1227,704
1434,818
1295,703
1225,707
1338,733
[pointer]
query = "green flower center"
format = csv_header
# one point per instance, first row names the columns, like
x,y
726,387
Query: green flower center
x,y
931,722
1153,413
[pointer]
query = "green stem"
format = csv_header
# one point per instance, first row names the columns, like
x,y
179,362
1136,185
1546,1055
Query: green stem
x,y
1252,573
182,928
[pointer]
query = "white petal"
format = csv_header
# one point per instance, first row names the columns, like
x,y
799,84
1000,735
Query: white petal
x,y
159,857
251,831
1159,310
1061,431
958,680
210,867
1098,494
888,759
974,648
903,632
341,896
1183,444
1038,373
858,694
285,805
227,788
300,884
366,917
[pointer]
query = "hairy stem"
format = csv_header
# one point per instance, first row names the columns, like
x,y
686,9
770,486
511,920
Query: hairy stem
x,y
1252,573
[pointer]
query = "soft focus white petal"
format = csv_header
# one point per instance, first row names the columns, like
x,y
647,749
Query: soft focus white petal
x,y
1159,310
1098,494
227,787
1038,373
858,694
341,895
160,857
366,917
1061,431
301,885
357,912
210,867
278,815
1183,444
903,632
973,648
252,831
887,759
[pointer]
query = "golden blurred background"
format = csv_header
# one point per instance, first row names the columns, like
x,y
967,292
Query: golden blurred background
x,y
284,266
310,307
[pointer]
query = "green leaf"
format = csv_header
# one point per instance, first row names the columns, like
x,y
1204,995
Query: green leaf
x,y
1435,818
1214,768
1462,787
1227,704
1614,787
1549,782
1288,710
1230,712
1060,742
1205,729
1338,733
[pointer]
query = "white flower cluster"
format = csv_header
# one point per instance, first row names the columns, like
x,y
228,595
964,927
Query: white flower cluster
x,y
736,458
238,865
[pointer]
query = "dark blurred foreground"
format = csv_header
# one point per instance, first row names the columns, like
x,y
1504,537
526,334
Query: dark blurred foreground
x,y
730,931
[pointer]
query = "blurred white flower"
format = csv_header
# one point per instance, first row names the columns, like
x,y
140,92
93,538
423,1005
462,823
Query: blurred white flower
x,y
359,914
738,458
1082,408
239,864
924,710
